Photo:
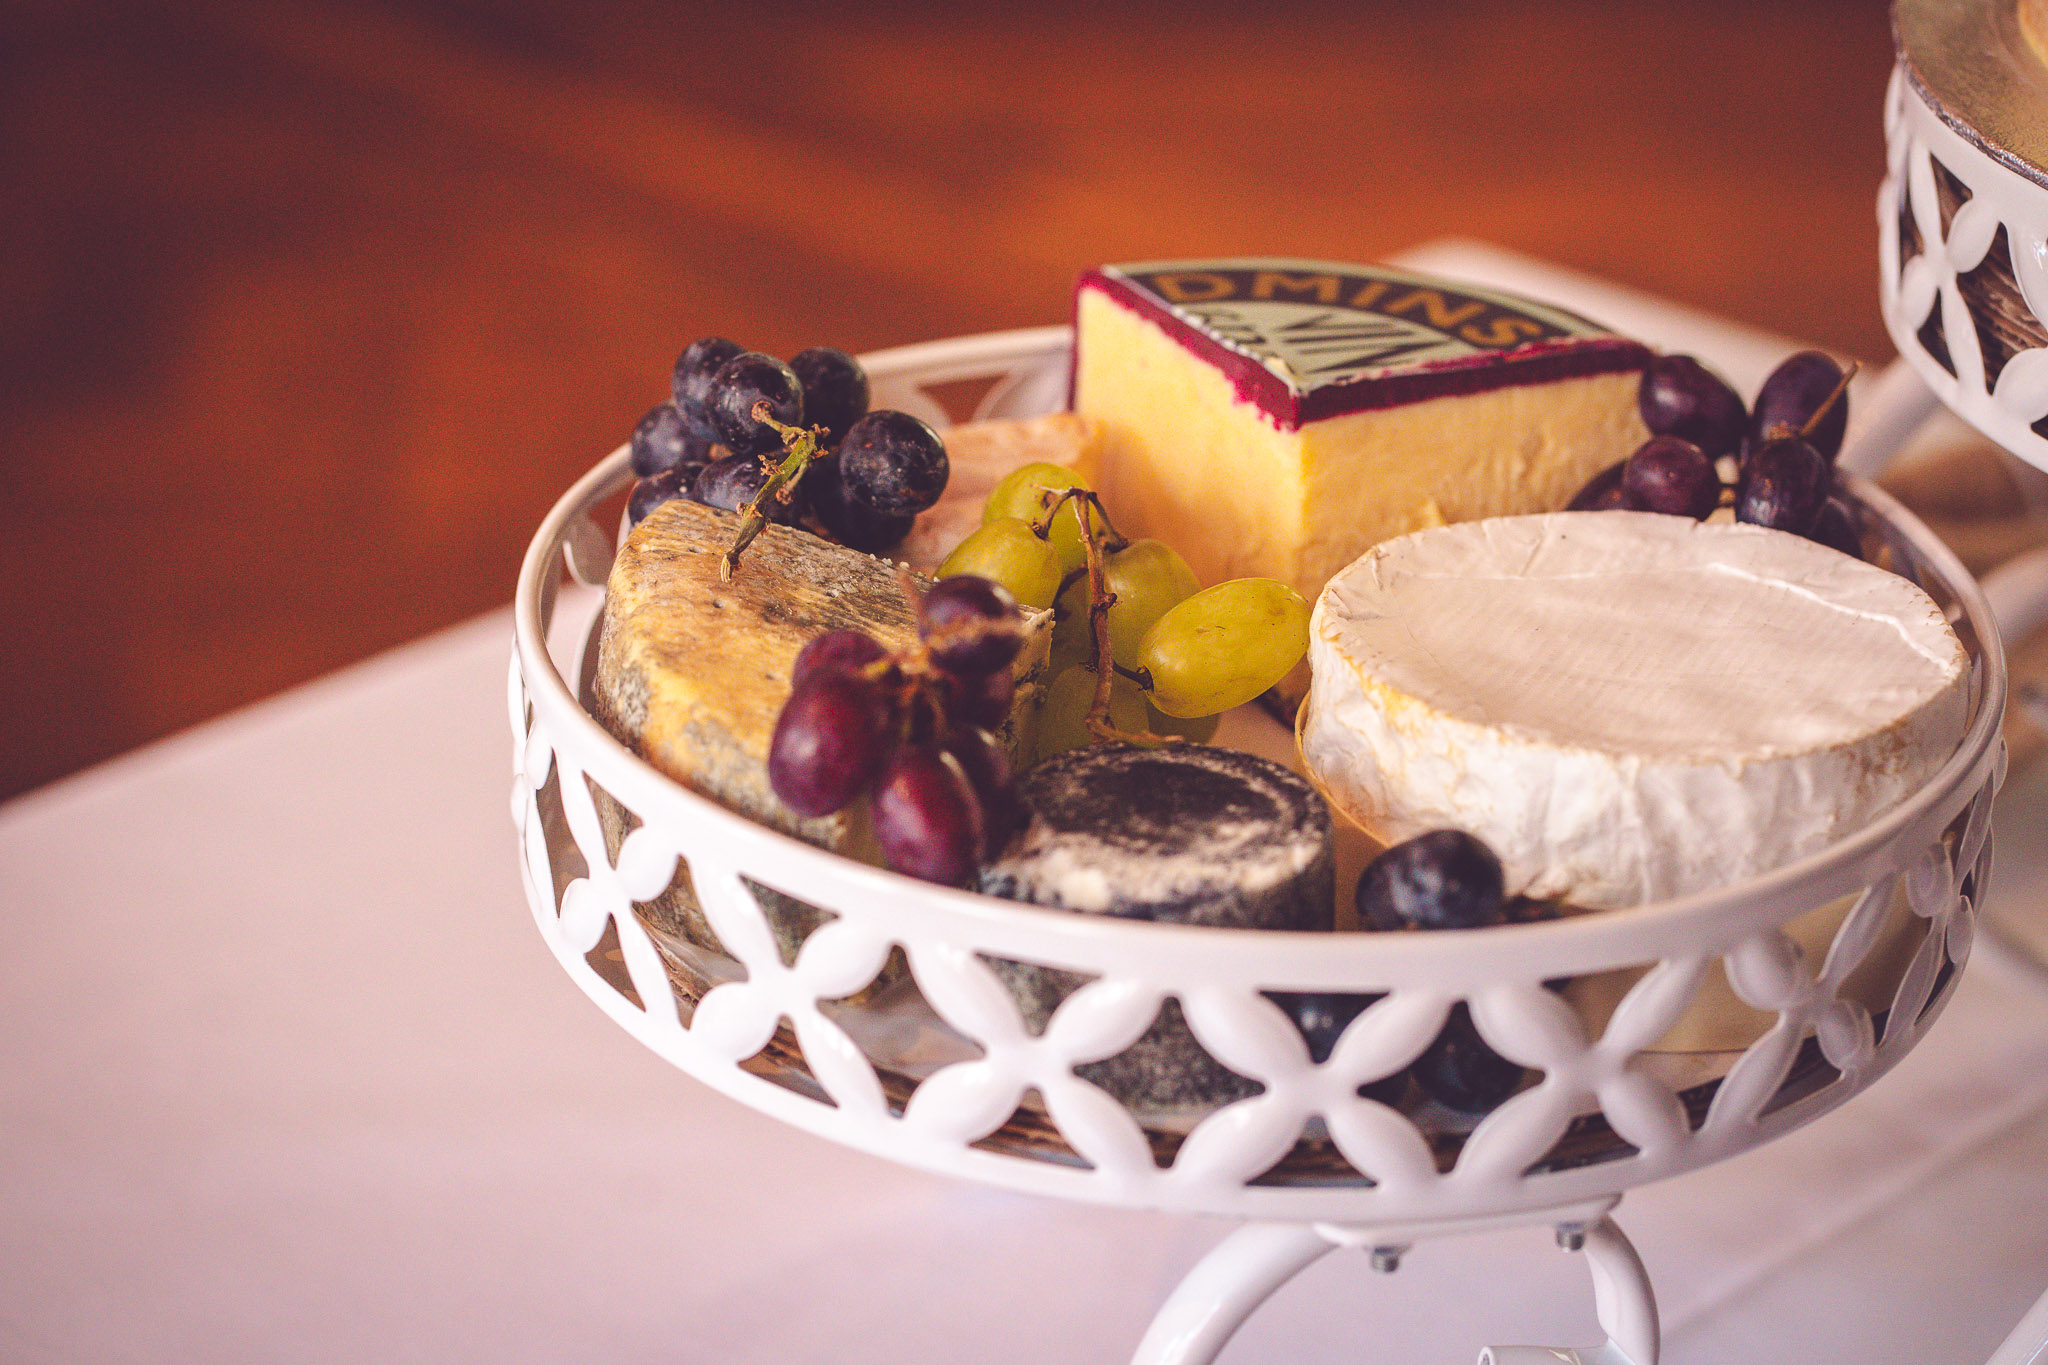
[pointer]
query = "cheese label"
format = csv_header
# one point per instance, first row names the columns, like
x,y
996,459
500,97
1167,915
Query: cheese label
x,y
1312,339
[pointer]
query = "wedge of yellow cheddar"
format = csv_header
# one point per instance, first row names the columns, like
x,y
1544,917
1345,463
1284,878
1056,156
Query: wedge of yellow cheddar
x,y
1276,418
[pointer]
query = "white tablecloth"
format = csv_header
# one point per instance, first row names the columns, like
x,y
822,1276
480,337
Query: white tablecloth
x,y
286,1075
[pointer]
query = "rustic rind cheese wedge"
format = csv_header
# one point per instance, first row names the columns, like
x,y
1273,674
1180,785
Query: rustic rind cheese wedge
x,y
692,673
1626,707
1274,418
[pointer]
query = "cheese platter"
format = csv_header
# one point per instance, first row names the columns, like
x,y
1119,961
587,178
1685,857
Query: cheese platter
x,y
890,1024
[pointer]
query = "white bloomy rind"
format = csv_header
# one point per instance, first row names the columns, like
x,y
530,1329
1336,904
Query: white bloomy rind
x,y
1626,707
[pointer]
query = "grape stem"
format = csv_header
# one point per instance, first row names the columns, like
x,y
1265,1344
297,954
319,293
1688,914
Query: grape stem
x,y
1053,499
1141,676
1834,397
1100,600
914,677
800,446
1778,430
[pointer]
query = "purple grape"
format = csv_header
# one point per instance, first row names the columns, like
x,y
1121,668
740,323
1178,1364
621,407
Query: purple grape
x,y
893,463
835,390
1388,1090
1835,527
1784,484
741,382
1603,492
733,482
690,383
844,651
829,742
987,765
658,441
1673,476
1322,1016
984,701
1460,1071
851,523
926,722
651,493
1445,879
1681,397
927,817
1792,394
971,625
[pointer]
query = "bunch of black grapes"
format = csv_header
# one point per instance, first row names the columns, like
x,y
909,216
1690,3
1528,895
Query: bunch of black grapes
x,y
1783,449
879,471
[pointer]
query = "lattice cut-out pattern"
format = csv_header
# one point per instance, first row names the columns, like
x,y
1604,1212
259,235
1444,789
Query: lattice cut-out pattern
x,y
962,1081
1963,241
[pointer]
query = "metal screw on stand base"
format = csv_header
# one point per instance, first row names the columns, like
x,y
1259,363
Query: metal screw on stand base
x,y
1247,1267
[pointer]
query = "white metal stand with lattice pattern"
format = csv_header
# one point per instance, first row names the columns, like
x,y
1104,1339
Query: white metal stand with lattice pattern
x,y
935,1066
1963,260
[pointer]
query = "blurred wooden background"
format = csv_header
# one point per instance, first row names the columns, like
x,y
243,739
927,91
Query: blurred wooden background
x,y
309,309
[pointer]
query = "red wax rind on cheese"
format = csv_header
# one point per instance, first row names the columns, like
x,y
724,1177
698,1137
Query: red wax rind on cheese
x,y
1308,340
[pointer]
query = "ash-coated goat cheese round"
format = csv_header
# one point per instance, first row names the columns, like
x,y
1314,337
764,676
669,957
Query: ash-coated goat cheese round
x,y
1626,707
1186,834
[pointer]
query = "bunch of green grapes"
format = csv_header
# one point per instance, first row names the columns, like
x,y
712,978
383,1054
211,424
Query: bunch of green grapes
x,y
1183,654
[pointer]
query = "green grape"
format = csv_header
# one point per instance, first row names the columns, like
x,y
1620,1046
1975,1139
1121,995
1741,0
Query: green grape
x,y
1194,729
1017,494
1069,647
1072,641
1073,600
1149,578
1021,495
1004,551
1063,724
1224,646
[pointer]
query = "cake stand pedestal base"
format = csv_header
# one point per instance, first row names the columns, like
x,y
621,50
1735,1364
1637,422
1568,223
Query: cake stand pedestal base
x,y
1245,1269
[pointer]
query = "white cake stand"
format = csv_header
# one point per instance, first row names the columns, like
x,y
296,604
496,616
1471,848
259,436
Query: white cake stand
x,y
925,1058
